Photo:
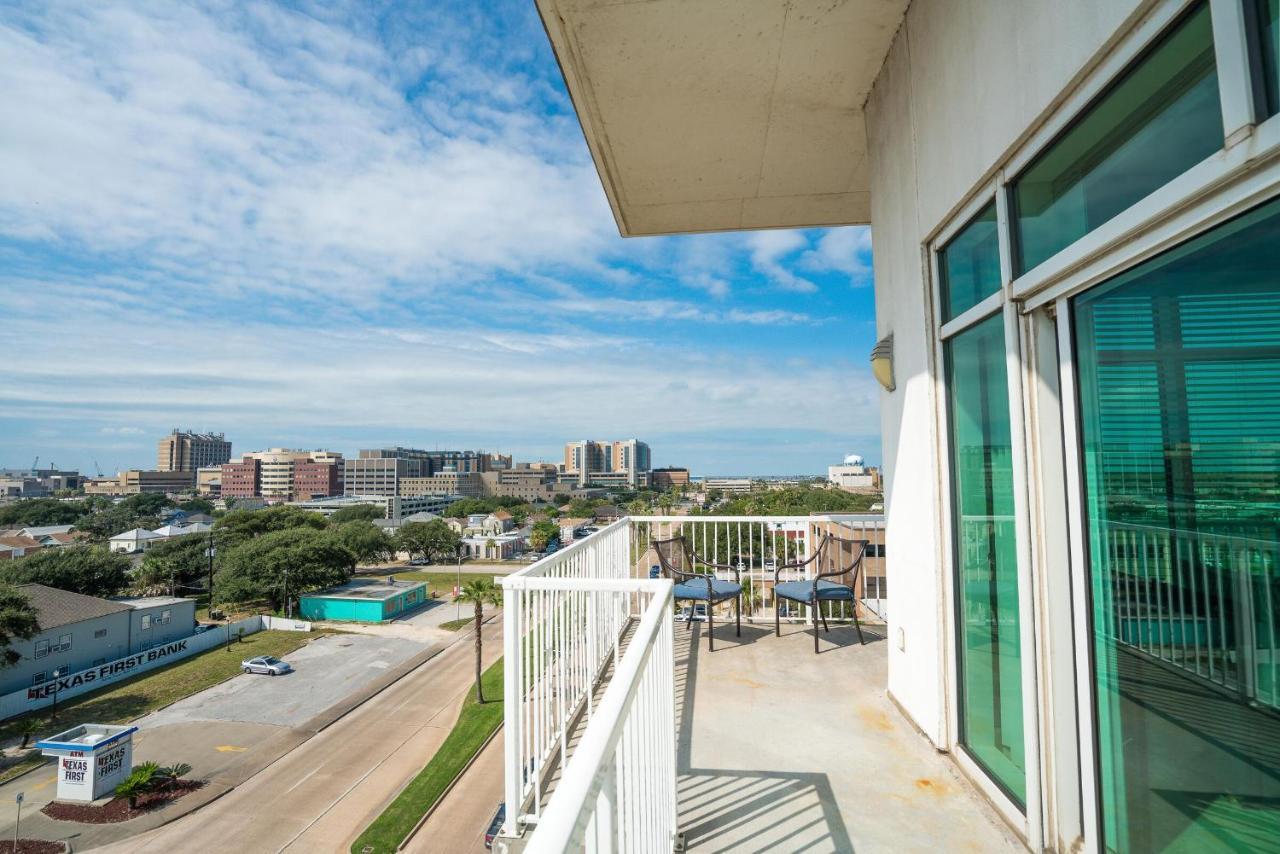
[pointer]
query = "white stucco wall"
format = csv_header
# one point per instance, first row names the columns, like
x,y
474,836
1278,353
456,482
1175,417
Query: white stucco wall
x,y
963,84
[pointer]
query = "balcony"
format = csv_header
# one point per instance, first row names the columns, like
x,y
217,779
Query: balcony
x,y
625,733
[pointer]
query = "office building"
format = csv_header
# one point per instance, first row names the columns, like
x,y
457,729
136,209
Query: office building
x,y
209,481
283,474
608,462
380,471
853,475
36,482
135,481
78,632
183,450
669,478
393,507
468,484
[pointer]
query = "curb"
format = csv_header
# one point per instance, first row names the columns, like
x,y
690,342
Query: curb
x,y
449,788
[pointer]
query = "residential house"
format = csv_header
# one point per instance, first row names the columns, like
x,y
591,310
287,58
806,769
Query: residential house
x,y
134,541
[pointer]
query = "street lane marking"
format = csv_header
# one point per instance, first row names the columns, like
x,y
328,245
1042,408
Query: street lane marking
x,y
230,748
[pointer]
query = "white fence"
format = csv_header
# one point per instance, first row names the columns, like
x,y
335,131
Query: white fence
x,y
558,639
93,678
618,792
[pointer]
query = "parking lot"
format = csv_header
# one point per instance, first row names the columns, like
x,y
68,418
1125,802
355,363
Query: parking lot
x,y
326,671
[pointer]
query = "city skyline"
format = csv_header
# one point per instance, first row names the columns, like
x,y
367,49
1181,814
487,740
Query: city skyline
x,y
142,452
380,228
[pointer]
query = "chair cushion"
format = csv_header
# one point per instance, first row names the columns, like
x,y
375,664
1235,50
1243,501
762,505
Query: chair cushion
x,y
800,591
697,589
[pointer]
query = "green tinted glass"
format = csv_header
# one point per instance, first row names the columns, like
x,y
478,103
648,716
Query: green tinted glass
x,y
986,556
1160,118
1269,33
1179,371
969,266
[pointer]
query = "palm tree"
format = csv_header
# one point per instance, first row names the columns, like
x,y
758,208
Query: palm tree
x,y
480,592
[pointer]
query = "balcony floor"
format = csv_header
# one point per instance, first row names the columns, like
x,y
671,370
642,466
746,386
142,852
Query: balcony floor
x,y
782,750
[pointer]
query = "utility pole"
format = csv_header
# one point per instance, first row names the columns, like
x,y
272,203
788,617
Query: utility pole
x,y
457,591
288,611
211,551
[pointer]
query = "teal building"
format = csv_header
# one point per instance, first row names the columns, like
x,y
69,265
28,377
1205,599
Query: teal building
x,y
363,601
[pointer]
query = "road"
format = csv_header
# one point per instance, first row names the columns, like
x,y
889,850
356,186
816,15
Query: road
x,y
321,795
458,824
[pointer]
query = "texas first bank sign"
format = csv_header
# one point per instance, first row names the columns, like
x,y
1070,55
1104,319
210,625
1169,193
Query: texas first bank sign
x,y
110,671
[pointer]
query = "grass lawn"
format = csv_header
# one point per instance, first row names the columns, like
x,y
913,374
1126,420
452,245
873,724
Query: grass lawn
x,y
475,724
124,701
441,583
454,625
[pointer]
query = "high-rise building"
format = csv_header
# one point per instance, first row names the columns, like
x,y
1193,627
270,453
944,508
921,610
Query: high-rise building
x,y
381,471
284,474
587,458
183,450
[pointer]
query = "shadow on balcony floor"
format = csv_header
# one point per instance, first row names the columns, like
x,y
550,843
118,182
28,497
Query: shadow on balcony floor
x,y
784,750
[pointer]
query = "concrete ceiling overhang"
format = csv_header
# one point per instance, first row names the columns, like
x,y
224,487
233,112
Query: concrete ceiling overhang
x,y
713,115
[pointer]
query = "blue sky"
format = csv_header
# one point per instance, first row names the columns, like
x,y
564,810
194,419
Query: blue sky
x,y
349,226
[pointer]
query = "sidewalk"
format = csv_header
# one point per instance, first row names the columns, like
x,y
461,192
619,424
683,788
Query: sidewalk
x,y
458,824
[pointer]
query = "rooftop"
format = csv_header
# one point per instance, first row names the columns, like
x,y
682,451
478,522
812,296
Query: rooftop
x,y
365,589
151,601
56,607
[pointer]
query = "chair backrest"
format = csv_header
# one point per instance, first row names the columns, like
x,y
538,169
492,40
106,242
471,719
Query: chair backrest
x,y
838,556
674,557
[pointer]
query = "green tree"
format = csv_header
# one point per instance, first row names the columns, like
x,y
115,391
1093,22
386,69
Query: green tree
x,y
91,570
17,620
366,541
479,593
583,507
182,561
192,506
428,540
356,513
302,558
561,499
40,511
542,533
240,525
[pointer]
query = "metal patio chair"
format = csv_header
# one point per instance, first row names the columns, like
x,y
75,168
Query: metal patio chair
x,y
813,591
680,564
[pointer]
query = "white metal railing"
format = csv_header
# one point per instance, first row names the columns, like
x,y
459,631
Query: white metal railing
x,y
559,635
565,619
618,792
758,544
1199,601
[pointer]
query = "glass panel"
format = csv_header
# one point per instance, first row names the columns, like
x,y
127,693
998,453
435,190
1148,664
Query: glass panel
x,y
986,554
1269,30
1179,366
969,266
1160,118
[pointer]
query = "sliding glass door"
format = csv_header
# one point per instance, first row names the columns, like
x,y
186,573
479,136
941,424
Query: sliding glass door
x,y
1178,365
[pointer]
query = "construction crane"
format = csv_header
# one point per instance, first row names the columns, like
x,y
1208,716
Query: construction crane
x,y
97,468
35,465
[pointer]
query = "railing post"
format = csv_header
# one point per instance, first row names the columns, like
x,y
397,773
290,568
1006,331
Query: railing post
x,y
607,812
512,669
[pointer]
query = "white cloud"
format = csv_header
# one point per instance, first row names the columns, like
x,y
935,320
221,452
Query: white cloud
x,y
121,431
768,248
168,132
388,379
845,250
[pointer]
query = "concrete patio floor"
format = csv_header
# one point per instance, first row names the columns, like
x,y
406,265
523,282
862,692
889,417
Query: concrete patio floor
x,y
784,750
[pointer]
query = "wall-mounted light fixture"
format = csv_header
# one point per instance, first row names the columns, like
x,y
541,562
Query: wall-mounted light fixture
x,y
882,362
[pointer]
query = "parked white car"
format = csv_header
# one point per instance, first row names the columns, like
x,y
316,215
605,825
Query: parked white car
x,y
267,664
